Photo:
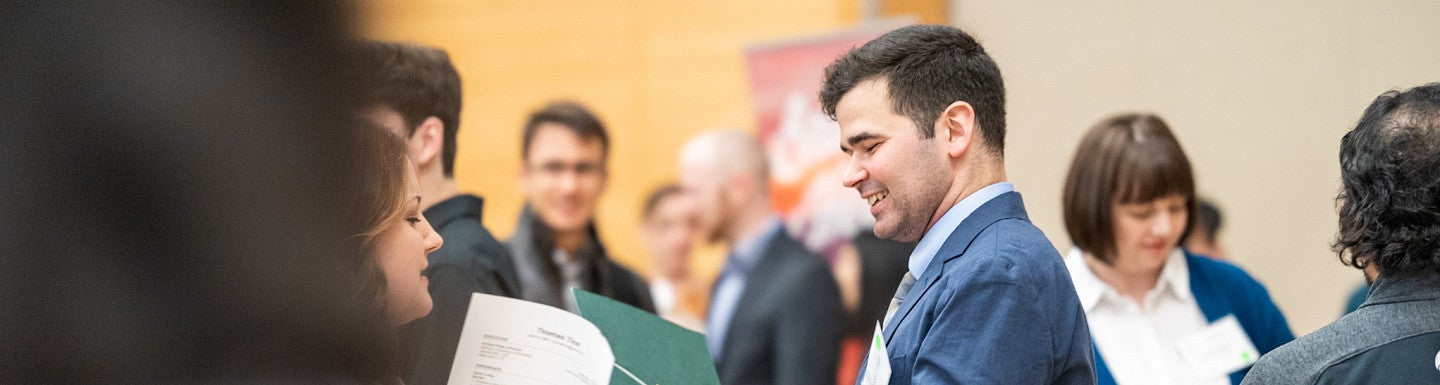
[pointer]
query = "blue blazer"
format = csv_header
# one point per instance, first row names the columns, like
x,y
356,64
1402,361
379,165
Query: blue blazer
x,y
1222,289
995,306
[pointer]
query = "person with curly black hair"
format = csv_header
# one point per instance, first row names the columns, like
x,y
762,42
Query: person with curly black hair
x,y
1389,220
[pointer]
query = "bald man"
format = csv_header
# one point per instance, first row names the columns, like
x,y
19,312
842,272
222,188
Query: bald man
x,y
775,313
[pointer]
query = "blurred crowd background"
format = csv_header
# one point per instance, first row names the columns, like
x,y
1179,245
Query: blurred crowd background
x,y
172,171
1258,93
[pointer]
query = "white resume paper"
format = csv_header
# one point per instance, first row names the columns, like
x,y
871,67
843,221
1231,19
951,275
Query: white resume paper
x,y
509,341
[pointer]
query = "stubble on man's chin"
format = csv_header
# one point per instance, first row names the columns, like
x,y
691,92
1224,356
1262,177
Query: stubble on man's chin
x,y
907,237
899,234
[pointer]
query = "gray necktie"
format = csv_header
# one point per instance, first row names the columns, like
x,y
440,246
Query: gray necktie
x,y
905,285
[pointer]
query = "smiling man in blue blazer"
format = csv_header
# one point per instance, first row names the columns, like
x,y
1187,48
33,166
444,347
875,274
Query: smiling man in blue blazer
x,y
987,299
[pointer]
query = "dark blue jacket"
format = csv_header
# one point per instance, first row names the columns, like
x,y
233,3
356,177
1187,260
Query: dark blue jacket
x,y
995,306
1222,289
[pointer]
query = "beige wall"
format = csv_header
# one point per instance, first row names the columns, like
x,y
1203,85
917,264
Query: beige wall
x,y
1259,93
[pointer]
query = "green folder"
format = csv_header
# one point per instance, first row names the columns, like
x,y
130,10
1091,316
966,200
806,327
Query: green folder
x,y
646,347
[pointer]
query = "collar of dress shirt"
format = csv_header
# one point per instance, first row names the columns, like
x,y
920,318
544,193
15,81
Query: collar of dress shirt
x,y
746,251
1176,275
935,237
1174,279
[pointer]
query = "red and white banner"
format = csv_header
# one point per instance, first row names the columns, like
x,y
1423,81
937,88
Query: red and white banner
x,y
802,143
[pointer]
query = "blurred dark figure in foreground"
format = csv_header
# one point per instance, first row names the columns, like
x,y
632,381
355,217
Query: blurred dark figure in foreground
x,y
170,175
1389,220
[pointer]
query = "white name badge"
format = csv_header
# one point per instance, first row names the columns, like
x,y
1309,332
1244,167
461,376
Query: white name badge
x,y
1219,349
877,363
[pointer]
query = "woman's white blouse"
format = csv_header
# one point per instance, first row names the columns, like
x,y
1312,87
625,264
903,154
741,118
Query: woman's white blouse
x,y
1139,344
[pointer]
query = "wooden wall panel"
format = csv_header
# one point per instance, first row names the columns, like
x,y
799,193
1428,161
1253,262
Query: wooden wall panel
x,y
656,72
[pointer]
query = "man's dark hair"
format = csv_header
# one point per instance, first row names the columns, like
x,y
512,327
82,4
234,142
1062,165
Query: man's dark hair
x,y
572,116
417,81
1208,220
1390,171
927,67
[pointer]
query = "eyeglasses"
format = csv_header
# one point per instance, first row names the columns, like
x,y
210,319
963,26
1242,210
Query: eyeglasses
x,y
580,169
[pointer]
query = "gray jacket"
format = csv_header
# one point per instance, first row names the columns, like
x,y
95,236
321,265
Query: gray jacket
x,y
1394,338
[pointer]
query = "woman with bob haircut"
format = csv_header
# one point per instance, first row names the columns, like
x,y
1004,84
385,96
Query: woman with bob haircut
x,y
1157,313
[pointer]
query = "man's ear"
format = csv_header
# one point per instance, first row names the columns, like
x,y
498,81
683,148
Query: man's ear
x,y
524,179
957,129
427,142
604,175
737,189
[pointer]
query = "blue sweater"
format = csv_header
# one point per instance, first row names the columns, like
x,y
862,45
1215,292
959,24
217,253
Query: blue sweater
x,y
1222,289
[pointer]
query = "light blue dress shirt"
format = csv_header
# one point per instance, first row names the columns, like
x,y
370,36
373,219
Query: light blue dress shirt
x,y
731,284
936,236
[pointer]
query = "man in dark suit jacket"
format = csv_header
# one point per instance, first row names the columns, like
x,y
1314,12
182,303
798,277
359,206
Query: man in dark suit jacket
x,y
987,299
775,315
414,91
